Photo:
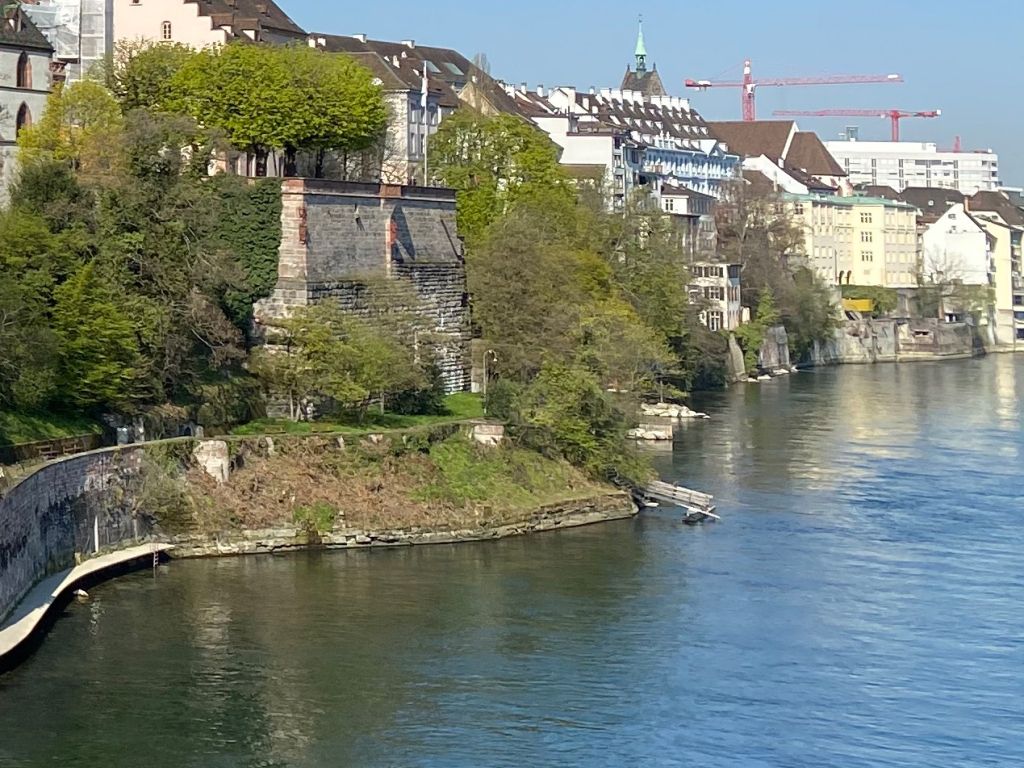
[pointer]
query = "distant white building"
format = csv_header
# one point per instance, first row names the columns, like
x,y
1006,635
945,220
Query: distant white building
x,y
910,164
716,287
958,248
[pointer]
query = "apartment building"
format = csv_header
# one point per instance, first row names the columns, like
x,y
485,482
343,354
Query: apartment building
x,y
718,290
1004,222
858,240
905,164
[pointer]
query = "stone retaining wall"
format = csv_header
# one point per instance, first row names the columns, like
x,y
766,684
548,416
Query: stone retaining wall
x,y
73,507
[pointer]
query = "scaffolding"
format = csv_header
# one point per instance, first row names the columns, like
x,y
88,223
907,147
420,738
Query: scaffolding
x,y
80,31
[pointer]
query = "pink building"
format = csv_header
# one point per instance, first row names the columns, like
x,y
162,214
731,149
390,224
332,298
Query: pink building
x,y
200,23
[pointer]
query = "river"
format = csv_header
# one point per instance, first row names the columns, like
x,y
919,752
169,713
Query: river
x,y
861,604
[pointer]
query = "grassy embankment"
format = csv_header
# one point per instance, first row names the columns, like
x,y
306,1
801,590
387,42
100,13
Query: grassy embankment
x,y
18,428
435,479
461,406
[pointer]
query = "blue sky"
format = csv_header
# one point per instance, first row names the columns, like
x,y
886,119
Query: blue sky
x,y
966,59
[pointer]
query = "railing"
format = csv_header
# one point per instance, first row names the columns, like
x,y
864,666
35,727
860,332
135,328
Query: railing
x,y
47,450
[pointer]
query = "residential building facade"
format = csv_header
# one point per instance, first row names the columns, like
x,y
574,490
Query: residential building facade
x,y
1004,222
858,240
25,82
910,164
694,215
718,290
201,23
957,248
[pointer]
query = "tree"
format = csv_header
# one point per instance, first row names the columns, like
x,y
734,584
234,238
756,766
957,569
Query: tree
x,y
82,127
290,99
140,73
496,162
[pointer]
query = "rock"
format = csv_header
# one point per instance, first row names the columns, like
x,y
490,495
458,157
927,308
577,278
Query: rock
x,y
340,442
362,540
213,457
764,378
782,372
794,369
269,442
376,439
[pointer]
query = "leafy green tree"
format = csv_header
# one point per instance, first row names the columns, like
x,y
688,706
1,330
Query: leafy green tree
x,y
100,359
140,73
82,127
496,162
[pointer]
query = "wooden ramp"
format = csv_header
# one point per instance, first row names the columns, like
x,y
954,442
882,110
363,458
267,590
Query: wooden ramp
x,y
699,506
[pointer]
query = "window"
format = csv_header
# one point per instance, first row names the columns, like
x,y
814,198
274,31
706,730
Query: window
x,y
24,74
714,294
866,218
670,204
866,237
798,209
715,321
24,118
867,256
166,31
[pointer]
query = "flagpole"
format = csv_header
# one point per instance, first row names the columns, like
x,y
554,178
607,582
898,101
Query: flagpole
x,y
426,125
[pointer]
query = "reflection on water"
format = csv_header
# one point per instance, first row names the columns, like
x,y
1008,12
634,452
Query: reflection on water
x,y
859,606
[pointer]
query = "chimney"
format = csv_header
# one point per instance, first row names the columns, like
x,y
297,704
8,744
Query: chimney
x,y
360,38
540,91
967,204
593,91
523,87
409,43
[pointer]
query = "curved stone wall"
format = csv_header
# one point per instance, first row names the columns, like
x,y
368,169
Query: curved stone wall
x,y
64,512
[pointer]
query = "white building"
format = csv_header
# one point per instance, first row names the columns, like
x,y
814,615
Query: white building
x,y
958,248
909,164
716,288
25,81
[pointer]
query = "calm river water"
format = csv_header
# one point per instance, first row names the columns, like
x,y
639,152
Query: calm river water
x,y
862,604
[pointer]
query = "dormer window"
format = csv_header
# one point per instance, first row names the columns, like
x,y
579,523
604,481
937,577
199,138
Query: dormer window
x,y
166,31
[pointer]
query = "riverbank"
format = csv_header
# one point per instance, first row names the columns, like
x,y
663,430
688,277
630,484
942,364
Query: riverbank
x,y
266,495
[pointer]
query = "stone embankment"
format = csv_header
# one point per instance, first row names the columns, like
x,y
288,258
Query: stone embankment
x,y
571,514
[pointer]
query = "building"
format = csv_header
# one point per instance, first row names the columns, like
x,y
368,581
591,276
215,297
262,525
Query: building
x,y
25,57
910,164
858,240
717,289
957,247
200,23
647,82
694,215
1004,222
80,31
400,69
795,161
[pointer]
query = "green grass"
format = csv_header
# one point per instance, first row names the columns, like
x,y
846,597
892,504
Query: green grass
x,y
17,428
461,406
504,477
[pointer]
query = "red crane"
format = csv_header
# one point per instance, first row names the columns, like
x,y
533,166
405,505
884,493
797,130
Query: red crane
x,y
895,115
750,85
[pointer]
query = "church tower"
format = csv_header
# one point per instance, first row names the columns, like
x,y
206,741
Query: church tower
x,y
647,82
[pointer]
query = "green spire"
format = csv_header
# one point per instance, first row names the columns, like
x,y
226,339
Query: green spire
x,y
641,50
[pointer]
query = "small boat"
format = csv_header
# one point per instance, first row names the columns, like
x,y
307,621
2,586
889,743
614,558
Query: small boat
x,y
699,507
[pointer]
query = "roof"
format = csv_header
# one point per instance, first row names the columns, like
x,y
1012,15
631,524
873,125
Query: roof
x,y
878,190
758,182
1000,203
932,202
18,31
405,77
443,63
762,137
850,202
672,190
240,15
807,153
647,83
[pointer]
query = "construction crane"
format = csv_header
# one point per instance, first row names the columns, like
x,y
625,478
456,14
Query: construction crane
x,y
750,85
895,115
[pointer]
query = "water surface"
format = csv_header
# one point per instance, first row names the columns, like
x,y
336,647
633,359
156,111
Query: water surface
x,y
862,604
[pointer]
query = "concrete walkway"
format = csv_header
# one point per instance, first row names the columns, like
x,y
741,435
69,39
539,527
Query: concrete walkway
x,y
30,612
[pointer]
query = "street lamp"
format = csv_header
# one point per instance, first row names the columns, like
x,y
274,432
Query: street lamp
x,y
494,355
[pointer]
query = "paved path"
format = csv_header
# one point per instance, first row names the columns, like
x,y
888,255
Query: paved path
x,y
26,617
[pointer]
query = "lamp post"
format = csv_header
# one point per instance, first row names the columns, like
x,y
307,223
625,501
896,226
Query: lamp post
x,y
494,355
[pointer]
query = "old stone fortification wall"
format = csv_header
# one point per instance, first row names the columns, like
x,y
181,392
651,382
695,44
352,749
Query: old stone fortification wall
x,y
869,341
75,506
337,236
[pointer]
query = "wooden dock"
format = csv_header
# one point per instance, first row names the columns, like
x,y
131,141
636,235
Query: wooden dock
x,y
699,506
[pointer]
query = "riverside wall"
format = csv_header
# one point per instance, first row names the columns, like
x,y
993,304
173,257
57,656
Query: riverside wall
x,y
869,341
64,512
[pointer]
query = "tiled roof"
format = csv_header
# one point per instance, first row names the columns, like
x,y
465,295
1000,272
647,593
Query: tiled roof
x,y
444,63
240,15
671,190
878,190
647,83
763,137
758,182
998,202
932,202
807,153
17,30
406,77
809,180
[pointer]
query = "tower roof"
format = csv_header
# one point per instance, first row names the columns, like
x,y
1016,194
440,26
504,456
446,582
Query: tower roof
x,y
641,49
